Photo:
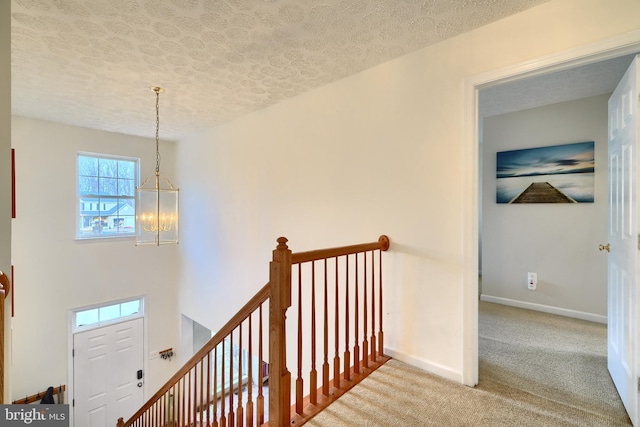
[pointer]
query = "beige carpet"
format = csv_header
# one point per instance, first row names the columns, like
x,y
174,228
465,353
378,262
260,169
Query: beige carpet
x,y
535,370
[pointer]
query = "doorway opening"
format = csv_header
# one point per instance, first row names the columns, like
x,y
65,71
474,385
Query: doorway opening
x,y
609,49
562,62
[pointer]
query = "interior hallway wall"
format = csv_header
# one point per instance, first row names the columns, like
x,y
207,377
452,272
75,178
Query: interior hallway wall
x,y
559,242
383,151
5,168
56,273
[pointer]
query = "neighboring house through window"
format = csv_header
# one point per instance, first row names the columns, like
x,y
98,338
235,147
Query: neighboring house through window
x,y
106,196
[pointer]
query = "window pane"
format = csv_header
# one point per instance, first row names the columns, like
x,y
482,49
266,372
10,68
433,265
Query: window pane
x,y
87,185
109,313
109,168
87,166
127,187
109,186
127,224
87,317
129,308
126,169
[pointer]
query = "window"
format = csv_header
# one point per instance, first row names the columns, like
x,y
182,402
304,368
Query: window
x,y
98,316
106,196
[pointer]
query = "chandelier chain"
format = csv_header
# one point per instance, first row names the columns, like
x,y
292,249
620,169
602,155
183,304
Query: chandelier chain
x,y
157,91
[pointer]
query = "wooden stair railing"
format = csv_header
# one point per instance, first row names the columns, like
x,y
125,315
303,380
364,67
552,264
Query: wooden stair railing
x,y
210,389
338,292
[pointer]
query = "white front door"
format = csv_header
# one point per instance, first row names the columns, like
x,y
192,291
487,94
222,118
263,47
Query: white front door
x,y
105,374
624,240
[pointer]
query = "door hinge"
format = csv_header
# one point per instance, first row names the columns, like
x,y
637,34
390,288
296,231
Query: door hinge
x,y
73,350
73,403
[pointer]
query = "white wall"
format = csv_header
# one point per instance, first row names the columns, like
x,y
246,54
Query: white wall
x,y
380,152
5,161
558,242
56,273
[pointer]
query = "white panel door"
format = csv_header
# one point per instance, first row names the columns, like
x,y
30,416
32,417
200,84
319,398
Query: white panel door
x,y
105,374
623,239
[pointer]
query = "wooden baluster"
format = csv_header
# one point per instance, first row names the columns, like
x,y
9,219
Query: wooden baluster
x,y
199,389
170,406
166,416
260,400
299,381
207,391
176,403
191,405
380,332
365,343
240,409
249,421
190,393
356,345
325,365
231,418
280,301
215,385
336,358
181,402
373,308
313,375
223,417
347,354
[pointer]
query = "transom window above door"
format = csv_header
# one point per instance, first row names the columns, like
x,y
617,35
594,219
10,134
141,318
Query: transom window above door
x,y
97,316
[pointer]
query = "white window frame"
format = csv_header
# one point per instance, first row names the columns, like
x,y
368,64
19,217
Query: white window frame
x,y
79,218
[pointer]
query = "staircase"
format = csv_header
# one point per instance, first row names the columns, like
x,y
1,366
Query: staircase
x,y
243,375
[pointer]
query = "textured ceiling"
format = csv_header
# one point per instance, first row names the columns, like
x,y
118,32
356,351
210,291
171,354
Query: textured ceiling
x,y
594,79
90,63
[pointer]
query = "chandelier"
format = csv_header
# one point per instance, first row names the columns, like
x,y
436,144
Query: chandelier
x,y
156,207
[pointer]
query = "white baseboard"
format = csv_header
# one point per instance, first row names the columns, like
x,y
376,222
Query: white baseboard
x,y
431,367
546,308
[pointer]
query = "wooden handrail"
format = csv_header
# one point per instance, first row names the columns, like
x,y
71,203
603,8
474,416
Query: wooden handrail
x,y
253,304
300,257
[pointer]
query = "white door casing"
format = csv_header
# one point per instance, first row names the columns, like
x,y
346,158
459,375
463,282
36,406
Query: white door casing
x,y
105,373
623,240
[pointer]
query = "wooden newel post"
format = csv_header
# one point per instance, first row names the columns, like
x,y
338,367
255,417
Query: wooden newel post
x,y
120,422
279,375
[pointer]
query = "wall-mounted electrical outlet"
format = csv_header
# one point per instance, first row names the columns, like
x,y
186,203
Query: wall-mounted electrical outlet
x,y
532,281
153,355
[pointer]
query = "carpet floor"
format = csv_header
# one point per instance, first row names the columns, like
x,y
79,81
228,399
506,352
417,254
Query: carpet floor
x,y
536,369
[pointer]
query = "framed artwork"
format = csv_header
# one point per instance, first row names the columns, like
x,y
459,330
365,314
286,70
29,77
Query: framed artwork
x,y
555,174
